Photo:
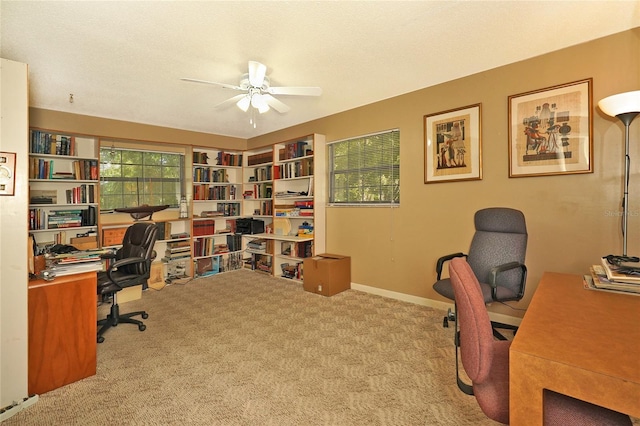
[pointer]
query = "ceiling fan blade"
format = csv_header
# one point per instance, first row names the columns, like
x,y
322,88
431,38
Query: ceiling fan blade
x,y
276,104
230,101
226,86
257,72
299,91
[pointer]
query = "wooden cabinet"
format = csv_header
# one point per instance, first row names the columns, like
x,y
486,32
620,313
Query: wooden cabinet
x,y
62,331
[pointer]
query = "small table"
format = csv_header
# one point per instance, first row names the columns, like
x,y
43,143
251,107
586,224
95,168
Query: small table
x,y
62,331
577,342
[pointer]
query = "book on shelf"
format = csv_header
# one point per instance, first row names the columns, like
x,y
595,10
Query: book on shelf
x,y
179,249
180,235
41,196
200,157
51,143
228,159
164,230
207,266
204,227
177,244
261,158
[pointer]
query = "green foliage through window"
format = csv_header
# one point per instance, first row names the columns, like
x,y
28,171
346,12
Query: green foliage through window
x,y
365,170
132,178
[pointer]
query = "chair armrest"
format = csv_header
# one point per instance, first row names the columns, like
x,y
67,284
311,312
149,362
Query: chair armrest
x,y
123,262
444,259
493,277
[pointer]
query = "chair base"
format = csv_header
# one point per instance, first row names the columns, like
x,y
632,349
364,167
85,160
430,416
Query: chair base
x,y
451,316
499,325
114,318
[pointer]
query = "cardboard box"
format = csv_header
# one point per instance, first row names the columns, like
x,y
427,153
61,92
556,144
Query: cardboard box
x,y
130,293
156,279
84,243
327,274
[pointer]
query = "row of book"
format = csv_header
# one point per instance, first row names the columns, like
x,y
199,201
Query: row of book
x,y
262,174
302,208
81,194
228,159
40,168
260,190
299,249
177,250
295,150
206,174
222,158
261,158
49,143
55,219
292,271
260,245
214,192
294,169
615,278
259,262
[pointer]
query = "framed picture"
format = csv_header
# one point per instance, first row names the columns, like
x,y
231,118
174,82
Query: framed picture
x,y
7,173
452,145
550,131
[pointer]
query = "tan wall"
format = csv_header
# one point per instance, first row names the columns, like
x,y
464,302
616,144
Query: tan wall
x,y
568,217
124,130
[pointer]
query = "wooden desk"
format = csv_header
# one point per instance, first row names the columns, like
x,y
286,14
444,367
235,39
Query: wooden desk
x,y
582,343
62,331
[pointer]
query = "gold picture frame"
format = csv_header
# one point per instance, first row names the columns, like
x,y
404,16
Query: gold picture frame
x,y
550,131
453,145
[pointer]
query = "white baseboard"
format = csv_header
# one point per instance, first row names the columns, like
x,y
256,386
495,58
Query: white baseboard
x,y
436,304
16,407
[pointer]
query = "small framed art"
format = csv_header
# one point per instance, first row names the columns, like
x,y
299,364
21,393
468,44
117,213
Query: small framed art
x,y
550,131
452,145
7,173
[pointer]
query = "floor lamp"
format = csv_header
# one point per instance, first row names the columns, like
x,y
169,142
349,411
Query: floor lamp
x,y
625,106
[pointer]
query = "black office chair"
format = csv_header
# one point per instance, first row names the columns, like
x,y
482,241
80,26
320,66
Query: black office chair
x,y
131,266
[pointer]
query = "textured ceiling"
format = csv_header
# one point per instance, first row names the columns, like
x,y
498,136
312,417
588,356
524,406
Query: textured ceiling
x,y
124,60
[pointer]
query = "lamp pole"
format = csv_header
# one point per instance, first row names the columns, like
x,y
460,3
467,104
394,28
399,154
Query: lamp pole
x,y
626,119
625,106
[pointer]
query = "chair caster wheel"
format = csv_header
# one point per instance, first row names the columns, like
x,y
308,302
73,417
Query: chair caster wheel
x,y
100,339
142,327
445,322
145,315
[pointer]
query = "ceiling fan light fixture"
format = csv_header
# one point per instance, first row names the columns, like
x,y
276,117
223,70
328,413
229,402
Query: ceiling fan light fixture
x,y
259,103
244,103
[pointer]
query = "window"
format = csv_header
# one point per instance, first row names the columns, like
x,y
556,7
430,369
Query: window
x,y
132,178
365,170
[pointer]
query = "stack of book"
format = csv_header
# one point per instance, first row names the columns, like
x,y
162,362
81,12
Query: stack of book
x,y
76,262
613,278
177,250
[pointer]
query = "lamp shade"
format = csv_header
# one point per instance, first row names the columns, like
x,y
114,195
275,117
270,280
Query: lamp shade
x,y
621,103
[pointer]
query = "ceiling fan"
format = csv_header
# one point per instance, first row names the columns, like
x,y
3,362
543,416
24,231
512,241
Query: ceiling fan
x,y
258,91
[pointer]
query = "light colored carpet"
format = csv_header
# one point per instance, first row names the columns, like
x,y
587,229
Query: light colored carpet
x,y
243,348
